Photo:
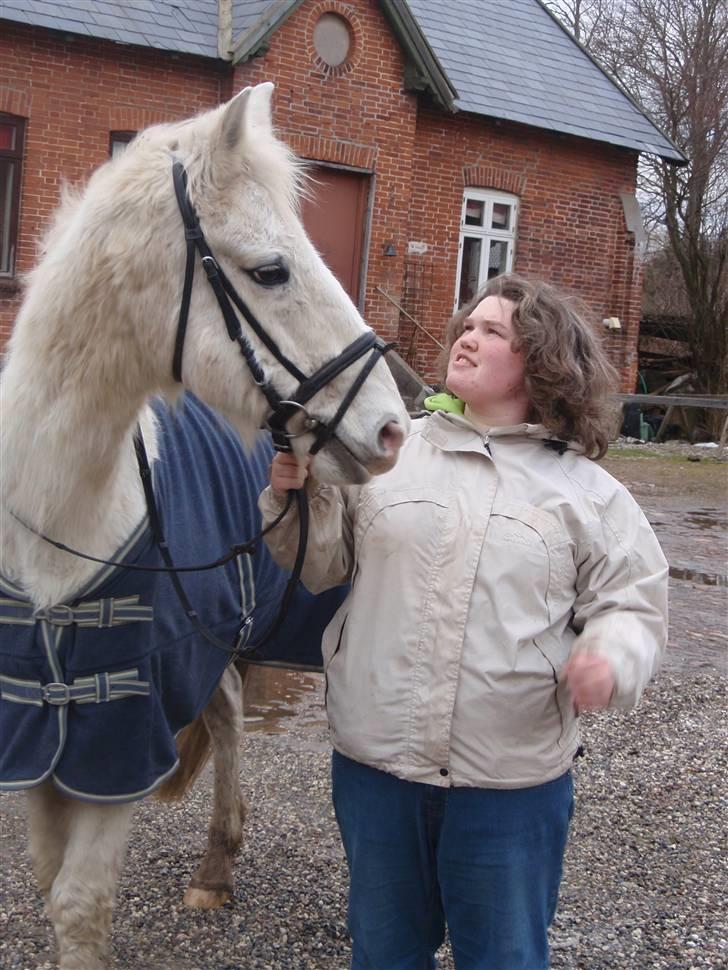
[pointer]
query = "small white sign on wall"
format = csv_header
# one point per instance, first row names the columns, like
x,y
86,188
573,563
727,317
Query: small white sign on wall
x,y
416,248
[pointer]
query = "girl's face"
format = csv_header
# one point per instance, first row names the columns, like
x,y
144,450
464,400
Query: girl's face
x,y
483,371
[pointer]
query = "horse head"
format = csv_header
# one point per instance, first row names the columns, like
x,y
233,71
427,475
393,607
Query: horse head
x,y
242,185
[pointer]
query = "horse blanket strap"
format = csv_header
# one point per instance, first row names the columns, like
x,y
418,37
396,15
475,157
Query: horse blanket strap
x,y
124,637
84,690
103,613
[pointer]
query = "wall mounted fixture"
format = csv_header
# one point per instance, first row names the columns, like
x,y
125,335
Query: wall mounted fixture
x,y
390,250
612,323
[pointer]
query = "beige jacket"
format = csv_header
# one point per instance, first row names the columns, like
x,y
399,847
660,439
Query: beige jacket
x,y
478,564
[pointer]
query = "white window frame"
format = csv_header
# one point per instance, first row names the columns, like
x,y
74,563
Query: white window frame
x,y
10,197
486,233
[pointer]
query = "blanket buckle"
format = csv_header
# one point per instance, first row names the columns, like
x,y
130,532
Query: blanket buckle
x,y
57,694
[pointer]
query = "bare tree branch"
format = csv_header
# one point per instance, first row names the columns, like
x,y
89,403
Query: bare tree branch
x,y
672,57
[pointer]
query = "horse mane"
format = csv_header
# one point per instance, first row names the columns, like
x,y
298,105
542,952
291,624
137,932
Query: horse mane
x,y
103,254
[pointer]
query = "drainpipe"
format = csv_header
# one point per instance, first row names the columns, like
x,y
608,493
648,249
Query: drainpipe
x,y
225,29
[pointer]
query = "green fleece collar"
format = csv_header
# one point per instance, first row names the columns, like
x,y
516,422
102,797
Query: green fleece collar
x,y
444,402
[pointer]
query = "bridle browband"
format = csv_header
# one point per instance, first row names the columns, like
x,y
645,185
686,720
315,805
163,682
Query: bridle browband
x,y
282,410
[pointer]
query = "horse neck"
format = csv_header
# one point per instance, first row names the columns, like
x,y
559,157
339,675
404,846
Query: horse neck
x,y
67,468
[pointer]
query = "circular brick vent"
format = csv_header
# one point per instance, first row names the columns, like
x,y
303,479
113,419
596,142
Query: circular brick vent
x,y
332,39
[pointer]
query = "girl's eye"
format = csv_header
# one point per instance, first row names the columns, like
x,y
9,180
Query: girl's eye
x,y
271,274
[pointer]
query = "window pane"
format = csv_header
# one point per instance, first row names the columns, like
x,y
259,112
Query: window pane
x,y
474,212
469,271
501,215
7,137
497,258
7,171
119,141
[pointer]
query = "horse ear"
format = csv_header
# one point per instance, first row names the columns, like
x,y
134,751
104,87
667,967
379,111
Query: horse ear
x,y
251,109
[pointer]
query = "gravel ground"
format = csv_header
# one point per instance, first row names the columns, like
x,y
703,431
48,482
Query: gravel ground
x,y
645,877
707,450
644,885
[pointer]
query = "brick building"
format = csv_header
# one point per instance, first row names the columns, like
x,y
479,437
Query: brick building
x,y
449,141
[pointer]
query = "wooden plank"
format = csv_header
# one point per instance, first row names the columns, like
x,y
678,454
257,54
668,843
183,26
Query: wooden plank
x,y
723,438
662,430
662,347
675,400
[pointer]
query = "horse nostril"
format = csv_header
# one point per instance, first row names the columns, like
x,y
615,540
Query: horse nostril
x,y
391,437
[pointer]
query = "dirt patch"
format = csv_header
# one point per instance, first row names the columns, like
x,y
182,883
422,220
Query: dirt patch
x,y
684,494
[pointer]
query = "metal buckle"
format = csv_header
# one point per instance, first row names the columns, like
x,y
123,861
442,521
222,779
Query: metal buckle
x,y
309,423
209,264
57,694
59,615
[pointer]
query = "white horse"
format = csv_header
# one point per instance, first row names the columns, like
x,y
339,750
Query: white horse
x,y
92,347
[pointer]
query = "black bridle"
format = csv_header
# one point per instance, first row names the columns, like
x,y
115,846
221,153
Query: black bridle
x,y
282,410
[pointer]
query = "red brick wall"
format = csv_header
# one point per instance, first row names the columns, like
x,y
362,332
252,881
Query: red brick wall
x,y
73,93
361,118
571,227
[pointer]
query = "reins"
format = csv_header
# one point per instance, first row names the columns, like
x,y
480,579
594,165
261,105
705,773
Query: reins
x,y
282,411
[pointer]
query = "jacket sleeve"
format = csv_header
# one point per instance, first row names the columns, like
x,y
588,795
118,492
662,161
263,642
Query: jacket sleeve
x,y
621,605
330,547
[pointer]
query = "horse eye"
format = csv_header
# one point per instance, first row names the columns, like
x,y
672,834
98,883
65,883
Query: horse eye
x,y
272,274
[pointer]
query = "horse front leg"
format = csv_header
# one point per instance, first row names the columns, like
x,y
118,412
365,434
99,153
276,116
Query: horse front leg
x,y
80,897
211,885
47,833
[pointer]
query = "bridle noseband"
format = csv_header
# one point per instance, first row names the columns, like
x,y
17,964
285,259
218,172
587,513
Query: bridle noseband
x,y
281,409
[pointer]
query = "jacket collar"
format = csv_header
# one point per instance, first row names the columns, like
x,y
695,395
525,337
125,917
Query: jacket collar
x,y
453,432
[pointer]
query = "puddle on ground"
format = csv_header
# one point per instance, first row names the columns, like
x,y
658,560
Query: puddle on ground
x,y
694,576
706,519
274,695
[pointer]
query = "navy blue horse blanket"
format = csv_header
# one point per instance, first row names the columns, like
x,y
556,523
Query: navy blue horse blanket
x,y
93,691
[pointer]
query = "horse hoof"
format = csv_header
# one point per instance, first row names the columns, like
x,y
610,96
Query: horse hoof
x,y
206,898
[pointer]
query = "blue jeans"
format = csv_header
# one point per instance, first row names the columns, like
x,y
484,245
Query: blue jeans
x,y
486,862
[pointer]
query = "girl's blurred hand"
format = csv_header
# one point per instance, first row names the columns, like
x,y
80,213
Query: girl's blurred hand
x,y
590,680
288,471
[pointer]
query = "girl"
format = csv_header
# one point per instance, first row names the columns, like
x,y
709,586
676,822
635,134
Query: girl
x,y
501,582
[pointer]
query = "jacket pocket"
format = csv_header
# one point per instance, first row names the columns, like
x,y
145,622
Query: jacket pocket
x,y
328,659
555,653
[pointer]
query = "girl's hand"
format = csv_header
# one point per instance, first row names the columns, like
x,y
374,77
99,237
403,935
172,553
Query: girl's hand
x,y
288,471
590,679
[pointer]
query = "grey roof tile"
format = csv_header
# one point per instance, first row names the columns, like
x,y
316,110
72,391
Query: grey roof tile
x,y
510,59
183,26
507,59
246,13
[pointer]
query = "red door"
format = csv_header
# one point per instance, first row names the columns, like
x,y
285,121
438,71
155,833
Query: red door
x,y
335,219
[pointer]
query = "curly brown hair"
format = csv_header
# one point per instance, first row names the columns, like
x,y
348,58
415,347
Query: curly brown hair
x,y
568,376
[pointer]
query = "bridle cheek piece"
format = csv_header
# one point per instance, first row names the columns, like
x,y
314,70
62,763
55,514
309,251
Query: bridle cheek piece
x,y
282,410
